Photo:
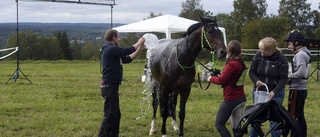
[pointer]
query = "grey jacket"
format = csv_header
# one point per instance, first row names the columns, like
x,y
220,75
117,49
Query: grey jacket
x,y
300,69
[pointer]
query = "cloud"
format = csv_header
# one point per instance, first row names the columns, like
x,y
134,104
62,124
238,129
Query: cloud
x,y
125,11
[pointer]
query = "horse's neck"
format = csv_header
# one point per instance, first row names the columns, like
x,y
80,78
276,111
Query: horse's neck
x,y
191,47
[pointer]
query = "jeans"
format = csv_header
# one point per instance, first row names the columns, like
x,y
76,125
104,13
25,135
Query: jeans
x,y
111,119
275,133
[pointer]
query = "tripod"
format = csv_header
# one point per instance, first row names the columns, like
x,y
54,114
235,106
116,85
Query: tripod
x,y
15,74
312,44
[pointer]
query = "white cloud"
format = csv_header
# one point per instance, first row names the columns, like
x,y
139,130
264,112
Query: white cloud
x,y
125,11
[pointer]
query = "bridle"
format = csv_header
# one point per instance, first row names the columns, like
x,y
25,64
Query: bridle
x,y
203,36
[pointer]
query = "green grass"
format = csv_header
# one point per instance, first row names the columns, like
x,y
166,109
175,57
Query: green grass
x,y
64,101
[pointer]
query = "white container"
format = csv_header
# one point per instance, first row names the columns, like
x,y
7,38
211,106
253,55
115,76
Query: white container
x,y
150,40
261,96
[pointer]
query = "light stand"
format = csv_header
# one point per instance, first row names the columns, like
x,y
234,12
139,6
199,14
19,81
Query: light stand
x,y
15,74
314,44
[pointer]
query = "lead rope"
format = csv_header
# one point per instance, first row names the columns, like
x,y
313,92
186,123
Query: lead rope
x,y
214,63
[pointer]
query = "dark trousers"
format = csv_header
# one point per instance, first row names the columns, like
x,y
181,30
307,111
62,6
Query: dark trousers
x,y
227,109
111,118
296,108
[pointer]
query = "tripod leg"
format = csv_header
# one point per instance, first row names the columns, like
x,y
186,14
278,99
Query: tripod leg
x,y
25,76
15,76
12,76
312,74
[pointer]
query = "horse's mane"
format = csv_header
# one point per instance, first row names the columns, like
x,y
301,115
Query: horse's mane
x,y
191,29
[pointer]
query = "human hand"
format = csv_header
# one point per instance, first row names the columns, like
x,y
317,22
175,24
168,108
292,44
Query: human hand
x,y
209,78
141,41
259,83
141,47
271,95
215,72
289,82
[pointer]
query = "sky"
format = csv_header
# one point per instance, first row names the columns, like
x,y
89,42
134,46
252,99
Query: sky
x,y
125,11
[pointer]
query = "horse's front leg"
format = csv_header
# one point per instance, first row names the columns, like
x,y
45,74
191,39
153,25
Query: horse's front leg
x,y
174,120
184,94
155,104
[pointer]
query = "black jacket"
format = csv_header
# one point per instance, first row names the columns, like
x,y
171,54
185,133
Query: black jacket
x,y
271,70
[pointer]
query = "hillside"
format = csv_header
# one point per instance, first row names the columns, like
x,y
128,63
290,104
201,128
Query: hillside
x,y
78,31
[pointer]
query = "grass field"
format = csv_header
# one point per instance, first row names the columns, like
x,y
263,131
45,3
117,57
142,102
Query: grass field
x,y
64,101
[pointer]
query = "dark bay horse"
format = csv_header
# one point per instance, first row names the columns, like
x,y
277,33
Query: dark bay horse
x,y
173,71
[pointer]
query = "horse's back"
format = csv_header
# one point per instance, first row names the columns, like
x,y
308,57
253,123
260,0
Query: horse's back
x,y
163,43
160,55
160,51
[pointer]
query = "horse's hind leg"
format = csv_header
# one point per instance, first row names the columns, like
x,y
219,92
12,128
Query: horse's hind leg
x,y
155,103
164,98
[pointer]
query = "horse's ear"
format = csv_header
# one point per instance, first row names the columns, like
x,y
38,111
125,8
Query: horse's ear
x,y
214,18
202,20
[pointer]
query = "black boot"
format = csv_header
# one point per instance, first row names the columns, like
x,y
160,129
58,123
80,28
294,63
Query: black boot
x,y
224,132
235,134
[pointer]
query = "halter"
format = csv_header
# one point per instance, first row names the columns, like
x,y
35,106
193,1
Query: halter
x,y
203,36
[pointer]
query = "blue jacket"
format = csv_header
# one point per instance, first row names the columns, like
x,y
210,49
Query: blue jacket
x,y
112,58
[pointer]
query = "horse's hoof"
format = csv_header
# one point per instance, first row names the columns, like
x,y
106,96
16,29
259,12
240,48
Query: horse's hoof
x,y
175,126
164,135
153,128
152,131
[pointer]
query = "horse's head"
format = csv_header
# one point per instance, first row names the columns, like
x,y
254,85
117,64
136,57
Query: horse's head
x,y
211,37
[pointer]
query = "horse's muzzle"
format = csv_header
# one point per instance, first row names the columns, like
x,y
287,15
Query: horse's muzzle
x,y
222,54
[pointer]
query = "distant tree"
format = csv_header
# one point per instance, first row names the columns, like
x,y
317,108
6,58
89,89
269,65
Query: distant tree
x,y
64,44
192,9
244,11
90,52
312,29
152,15
225,20
297,11
76,50
317,31
26,43
254,30
47,48
33,46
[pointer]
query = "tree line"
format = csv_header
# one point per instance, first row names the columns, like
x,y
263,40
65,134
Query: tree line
x,y
247,23
33,46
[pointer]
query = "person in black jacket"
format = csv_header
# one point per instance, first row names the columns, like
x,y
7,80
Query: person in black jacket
x,y
269,66
112,58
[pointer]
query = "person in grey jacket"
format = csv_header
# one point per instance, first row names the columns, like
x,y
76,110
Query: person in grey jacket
x,y
269,66
297,82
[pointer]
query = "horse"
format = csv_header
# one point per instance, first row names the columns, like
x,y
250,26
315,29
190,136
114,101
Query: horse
x,y
172,68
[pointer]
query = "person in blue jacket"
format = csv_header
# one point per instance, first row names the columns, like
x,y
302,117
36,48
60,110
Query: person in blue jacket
x,y
112,58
